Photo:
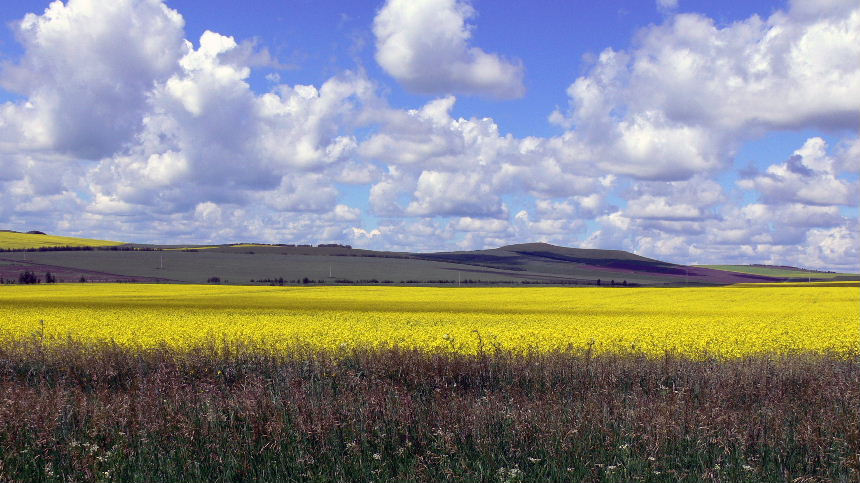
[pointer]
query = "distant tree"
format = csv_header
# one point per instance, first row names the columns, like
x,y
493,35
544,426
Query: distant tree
x,y
306,280
28,277
215,280
82,279
50,278
598,281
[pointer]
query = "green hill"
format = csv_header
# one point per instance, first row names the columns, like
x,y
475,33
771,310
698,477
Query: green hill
x,y
13,240
779,271
254,263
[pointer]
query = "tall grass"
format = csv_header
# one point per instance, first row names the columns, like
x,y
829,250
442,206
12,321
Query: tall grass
x,y
75,412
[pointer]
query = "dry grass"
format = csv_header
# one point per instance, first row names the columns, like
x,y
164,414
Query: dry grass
x,y
70,412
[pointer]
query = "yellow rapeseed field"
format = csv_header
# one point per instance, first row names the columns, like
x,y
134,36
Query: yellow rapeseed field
x,y
724,322
17,241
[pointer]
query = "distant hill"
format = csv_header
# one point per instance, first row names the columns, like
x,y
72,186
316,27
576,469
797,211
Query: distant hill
x,y
780,271
244,263
612,266
13,240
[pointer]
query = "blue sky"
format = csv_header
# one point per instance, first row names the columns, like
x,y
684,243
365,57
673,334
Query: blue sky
x,y
692,131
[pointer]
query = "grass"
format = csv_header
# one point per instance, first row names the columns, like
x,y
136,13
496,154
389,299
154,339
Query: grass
x,y
76,412
817,283
240,265
776,272
17,241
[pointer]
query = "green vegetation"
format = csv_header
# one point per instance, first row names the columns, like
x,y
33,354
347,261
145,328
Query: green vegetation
x,y
72,412
280,264
778,272
242,263
11,240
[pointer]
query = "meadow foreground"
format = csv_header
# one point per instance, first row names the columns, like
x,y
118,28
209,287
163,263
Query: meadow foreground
x,y
168,383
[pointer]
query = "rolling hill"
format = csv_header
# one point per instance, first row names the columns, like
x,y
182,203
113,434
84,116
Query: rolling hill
x,y
244,263
13,240
780,271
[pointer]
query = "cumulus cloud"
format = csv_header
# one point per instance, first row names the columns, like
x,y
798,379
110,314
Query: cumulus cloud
x,y
681,101
441,165
831,248
480,225
405,235
168,132
659,208
689,200
549,228
667,5
424,44
157,138
87,72
446,193
809,176
700,221
208,136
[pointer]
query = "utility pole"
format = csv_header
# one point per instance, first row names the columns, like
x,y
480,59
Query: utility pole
x,y
458,278
161,262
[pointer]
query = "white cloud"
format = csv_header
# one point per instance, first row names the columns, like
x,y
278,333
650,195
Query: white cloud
x,y
809,176
438,165
482,225
361,233
847,154
353,172
303,193
149,136
462,193
86,73
667,5
208,136
659,208
413,235
835,248
343,212
424,44
684,98
563,228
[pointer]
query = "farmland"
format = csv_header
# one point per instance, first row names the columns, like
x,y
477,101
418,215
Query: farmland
x,y
11,240
158,382
693,322
779,272
248,263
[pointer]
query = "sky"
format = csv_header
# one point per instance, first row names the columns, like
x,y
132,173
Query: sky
x,y
688,131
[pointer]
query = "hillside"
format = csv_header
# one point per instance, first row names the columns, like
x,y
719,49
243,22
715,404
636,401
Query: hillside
x,y
533,263
256,263
781,271
13,240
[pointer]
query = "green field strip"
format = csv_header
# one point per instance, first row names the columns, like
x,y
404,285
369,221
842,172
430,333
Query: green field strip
x,y
776,272
22,241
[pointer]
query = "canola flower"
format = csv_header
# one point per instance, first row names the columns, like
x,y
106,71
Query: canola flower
x,y
725,322
14,240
